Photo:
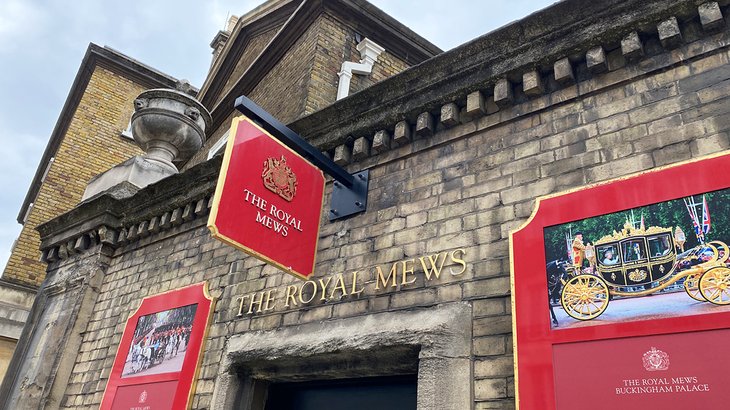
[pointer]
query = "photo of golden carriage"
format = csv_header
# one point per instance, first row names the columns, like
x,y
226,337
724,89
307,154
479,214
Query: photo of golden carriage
x,y
638,262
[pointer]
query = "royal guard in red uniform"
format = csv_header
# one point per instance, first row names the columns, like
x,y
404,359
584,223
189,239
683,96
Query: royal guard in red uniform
x,y
578,251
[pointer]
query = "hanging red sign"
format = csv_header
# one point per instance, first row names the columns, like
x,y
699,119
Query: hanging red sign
x,y
268,200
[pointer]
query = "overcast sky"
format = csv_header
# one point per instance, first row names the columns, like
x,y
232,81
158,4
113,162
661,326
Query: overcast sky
x,y
42,44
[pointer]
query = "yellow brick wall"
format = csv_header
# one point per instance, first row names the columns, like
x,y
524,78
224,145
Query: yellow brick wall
x,y
253,49
305,80
336,43
92,144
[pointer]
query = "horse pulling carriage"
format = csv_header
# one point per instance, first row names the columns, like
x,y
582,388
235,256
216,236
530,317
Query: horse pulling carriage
x,y
639,262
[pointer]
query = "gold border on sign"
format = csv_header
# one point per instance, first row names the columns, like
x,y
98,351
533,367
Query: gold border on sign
x,y
219,191
538,202
206,328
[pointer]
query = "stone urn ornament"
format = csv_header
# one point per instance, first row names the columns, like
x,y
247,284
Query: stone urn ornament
x,y
169,126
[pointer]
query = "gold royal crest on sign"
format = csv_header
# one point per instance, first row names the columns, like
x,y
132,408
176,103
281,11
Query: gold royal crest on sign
x,y
279,178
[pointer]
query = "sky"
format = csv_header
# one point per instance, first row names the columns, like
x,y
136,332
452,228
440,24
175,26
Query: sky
x,y
42,43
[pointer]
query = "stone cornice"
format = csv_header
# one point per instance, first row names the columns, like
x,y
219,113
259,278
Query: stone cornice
x,y
113,220
567,29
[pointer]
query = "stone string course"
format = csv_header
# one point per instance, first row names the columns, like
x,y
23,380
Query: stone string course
x,y
463,176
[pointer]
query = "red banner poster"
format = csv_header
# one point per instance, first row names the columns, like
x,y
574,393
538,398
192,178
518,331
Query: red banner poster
x,y
618,300
268,200
158,357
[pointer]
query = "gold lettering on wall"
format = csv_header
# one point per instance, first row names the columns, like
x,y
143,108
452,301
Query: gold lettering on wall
x,y
399,275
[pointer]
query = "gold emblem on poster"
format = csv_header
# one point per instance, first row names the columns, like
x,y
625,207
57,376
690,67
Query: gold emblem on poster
x,y
279,178
638,275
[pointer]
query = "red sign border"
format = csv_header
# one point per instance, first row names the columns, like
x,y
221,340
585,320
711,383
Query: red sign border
x,y
533,336
219,191
187,377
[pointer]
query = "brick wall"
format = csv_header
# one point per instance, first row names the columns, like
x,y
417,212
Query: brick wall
x,y
305,80
252,50
336,45
92,144
465,187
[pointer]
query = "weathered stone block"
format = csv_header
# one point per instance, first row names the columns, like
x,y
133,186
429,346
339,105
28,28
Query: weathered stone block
x,y
402,133
425,125
489,345
563,71
596,60
381,141
450,114
361,149
503,94
487,389
710,16
165,220
669,34
154,225
494,366
475,104
532,83
711,144
343,155
188,214
631,46
200,207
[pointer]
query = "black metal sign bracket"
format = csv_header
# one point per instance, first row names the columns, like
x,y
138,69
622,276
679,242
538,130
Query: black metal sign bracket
x,y
349,192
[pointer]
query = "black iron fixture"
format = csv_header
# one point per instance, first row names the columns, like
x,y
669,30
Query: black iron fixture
x,y
349,192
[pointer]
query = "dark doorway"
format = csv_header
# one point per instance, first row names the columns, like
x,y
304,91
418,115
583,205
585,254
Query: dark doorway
x,y
381,393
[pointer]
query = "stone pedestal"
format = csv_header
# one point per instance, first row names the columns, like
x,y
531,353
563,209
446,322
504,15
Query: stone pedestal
x,y
138,171
170,127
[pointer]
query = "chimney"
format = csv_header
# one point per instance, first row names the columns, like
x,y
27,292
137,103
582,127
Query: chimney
x,y
220,39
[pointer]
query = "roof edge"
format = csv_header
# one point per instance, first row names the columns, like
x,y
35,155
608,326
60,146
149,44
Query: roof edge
x,y
535,41
307,12
108,58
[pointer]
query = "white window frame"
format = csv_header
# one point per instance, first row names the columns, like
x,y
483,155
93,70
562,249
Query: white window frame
x,y
219,145
127,133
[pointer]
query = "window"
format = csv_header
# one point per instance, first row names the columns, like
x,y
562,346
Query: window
x,y
218,146
660,245
634,250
